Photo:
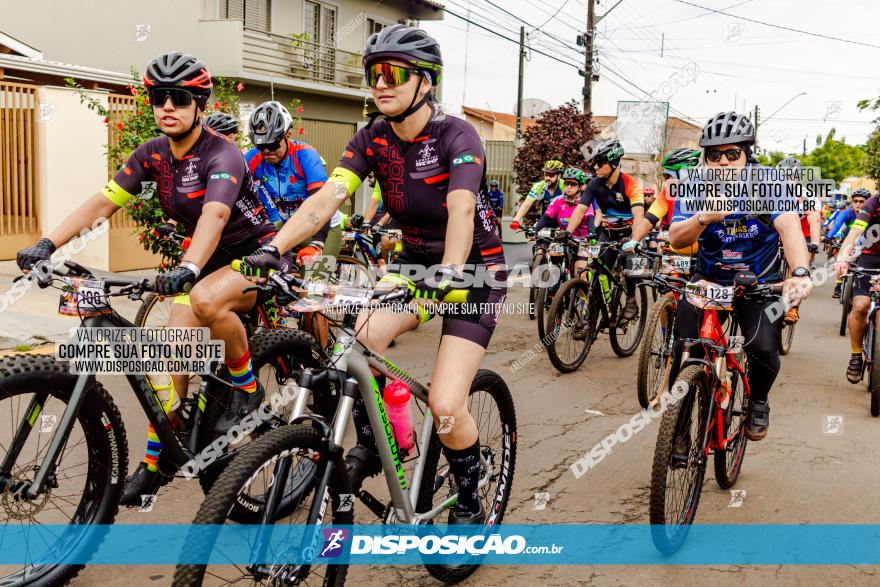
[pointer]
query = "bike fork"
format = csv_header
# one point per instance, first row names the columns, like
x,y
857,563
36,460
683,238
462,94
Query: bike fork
x,y
83,382
24,429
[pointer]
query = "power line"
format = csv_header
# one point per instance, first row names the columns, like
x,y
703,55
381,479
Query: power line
x,y
497,34
779,26
649,26
558,10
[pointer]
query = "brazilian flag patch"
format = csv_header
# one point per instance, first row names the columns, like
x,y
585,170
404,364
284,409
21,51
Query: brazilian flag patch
x,y
223,176
465,159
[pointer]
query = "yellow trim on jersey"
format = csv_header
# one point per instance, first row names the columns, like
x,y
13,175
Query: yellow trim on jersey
x,y
114,192
347,178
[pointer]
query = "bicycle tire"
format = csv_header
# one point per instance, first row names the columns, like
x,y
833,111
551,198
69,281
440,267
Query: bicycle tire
x,y
874,379
564,316
846,302
106,443
149,306
786,337
648,389
541,311
346,260
290,350
728,462
277,444
492,383
537,261
615,335
671,424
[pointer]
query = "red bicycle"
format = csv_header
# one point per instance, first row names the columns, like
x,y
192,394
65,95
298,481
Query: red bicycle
x,y
711,414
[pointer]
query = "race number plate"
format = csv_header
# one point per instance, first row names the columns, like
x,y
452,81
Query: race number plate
x,y
721,294
676,264
594,251
557,249
83,297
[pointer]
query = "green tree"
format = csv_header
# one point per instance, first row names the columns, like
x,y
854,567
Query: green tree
x,y
837,159
771,158
559,134
872,147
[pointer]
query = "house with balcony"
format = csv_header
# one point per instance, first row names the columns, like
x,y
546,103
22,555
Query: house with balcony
x,y
279,49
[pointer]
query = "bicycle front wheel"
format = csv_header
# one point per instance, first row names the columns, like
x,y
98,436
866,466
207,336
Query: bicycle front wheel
x,y
679,463
154,311
655,356
253,471
846,302
86,484
573,318
626,334
491,406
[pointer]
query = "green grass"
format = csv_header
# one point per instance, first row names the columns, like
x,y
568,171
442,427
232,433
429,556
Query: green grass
x,y
23,348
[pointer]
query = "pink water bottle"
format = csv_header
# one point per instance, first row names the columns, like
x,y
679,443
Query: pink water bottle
x,y
397,405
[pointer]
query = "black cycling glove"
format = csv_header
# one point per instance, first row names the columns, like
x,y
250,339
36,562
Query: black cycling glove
x,y
174,281
27,258
261,262
435,287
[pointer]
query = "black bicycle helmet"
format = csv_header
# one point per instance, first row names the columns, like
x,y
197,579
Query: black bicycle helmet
x,y
861,193
610,150
494,183
727,128
269,123
409,44
180,70
223,123
789,163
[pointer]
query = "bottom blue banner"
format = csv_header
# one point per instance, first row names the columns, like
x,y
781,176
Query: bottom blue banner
x,y
401,545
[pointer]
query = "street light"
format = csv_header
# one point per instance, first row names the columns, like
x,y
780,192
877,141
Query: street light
x,y
792,99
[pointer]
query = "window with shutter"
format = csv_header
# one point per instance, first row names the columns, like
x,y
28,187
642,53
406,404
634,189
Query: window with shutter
x,y
319,20
256,14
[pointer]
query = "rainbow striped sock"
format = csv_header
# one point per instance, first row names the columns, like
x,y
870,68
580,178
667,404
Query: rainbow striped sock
x,y
153,448
242,373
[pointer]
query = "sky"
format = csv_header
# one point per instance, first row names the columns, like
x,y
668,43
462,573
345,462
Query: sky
x,y
804,84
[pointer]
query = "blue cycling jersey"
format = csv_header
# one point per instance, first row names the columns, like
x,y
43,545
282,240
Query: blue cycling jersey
x,y
290,182
738,243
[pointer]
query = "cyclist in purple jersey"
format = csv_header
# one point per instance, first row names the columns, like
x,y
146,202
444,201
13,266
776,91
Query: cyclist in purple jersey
x,y
203,184
432,172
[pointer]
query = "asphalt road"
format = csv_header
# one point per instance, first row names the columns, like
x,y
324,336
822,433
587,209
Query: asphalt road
x,y
799,474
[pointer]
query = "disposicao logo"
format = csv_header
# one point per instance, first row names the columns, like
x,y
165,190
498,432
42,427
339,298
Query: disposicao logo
x,y
334,542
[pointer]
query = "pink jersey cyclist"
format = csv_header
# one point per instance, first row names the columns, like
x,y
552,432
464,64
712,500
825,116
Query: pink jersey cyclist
x,y
560,210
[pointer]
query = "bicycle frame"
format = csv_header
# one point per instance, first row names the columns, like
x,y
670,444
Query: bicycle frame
x,y
719,359
354,361
172,450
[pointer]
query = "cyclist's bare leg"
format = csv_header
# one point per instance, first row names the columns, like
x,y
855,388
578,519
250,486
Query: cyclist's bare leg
x,y
858,321
181,316
457,362
216,300
378,328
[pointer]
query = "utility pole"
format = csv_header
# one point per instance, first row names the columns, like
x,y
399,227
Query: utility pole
x,y
757,113
588,59
805,146
519,90
662,43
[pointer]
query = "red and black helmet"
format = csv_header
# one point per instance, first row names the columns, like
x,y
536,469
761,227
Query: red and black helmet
x,y
180,70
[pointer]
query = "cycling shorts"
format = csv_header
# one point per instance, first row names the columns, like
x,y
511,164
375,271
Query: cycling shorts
x,y
862,283
474,321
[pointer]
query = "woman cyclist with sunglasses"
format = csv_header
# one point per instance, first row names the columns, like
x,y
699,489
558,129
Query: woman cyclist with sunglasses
x,y
202,184
433,175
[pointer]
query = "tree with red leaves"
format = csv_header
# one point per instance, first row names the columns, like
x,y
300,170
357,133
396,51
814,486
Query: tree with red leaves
x,y
559,134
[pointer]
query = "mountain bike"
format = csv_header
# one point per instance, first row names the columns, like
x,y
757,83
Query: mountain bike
x,y
711,415
655,356
558,255
430,492
63,443
871,340
590,303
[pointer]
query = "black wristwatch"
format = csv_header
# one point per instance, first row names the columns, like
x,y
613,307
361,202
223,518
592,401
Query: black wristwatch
x,y
800,272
